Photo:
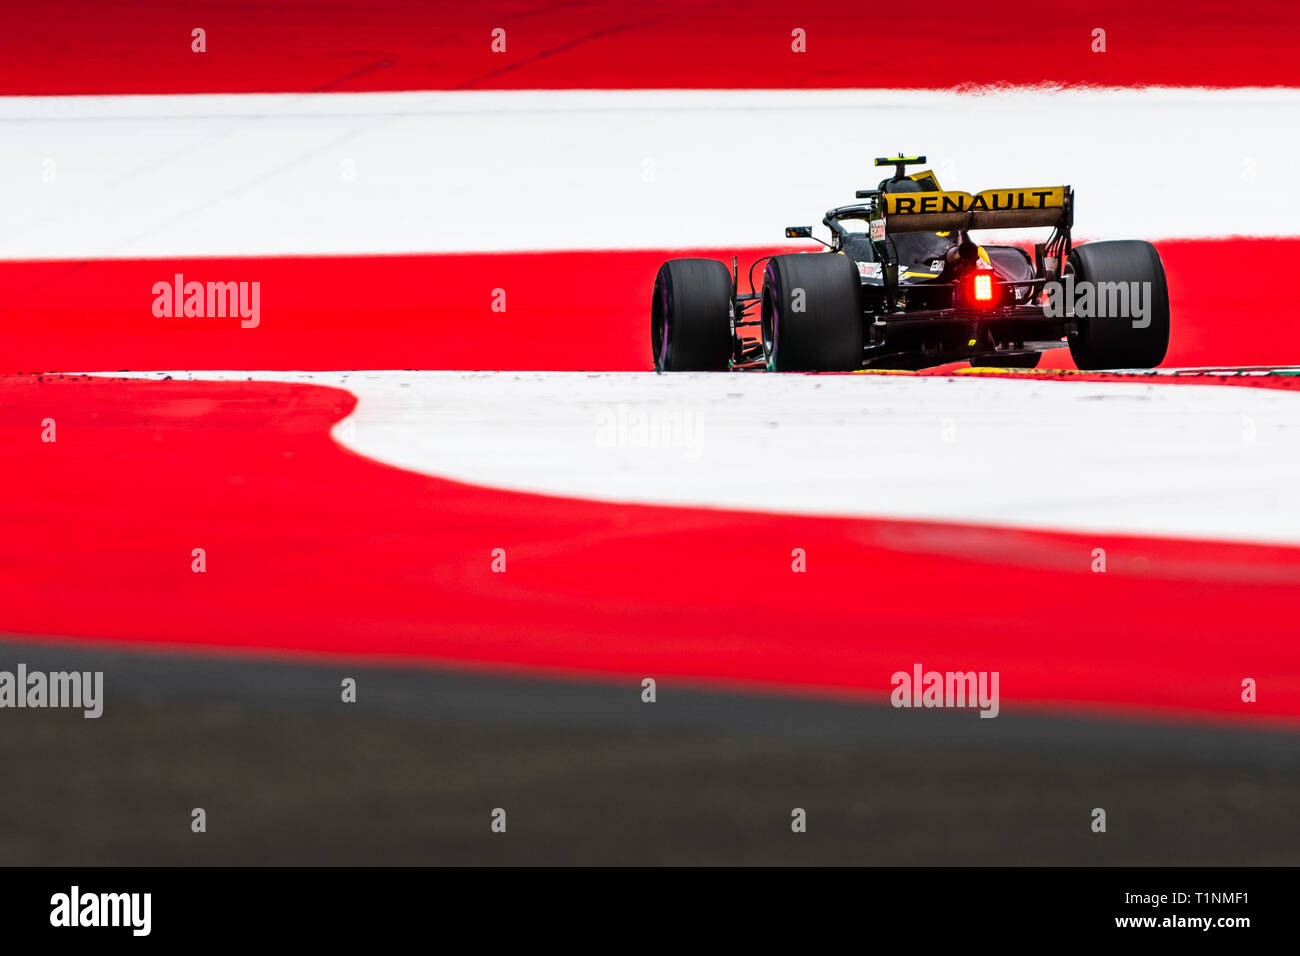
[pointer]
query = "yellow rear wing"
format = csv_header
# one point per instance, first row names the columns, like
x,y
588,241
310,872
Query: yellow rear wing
x,y
941,211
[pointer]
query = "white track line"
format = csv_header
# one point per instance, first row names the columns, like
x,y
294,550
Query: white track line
x,y
1191,461
355,173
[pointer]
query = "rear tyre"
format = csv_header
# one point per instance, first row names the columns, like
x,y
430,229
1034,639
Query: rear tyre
x,y
1114,341
812,313
690,316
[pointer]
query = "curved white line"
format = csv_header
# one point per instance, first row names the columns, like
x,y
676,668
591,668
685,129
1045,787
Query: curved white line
x,y
1190,461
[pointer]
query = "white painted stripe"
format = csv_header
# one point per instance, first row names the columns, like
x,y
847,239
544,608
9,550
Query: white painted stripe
x,y
1189,461
134,176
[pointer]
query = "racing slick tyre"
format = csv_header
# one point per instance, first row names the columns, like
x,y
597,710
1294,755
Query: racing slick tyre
x,y
690,316
1008,361
1126,340
812,313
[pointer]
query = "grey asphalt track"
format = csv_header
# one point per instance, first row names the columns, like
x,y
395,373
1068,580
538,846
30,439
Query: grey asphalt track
x,y
587,773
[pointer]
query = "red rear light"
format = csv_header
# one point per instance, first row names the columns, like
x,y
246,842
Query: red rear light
x,y
982,287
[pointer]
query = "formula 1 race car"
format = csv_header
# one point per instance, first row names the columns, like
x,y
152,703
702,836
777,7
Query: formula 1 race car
x,y
902,285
